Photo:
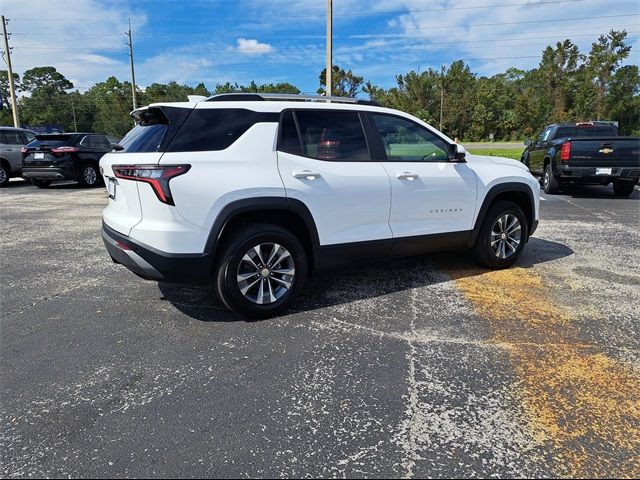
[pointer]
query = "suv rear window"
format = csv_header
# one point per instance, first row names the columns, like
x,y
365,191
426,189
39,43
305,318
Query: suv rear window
x,y
147,135
52,141
331,135
210,129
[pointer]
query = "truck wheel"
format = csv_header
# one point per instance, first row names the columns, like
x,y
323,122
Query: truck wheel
x,y
89,175
261,270
623,188
502,236
550,183
40,183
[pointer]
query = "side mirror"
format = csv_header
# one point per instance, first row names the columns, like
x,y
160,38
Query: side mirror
x,y
528,142
458,153
117,147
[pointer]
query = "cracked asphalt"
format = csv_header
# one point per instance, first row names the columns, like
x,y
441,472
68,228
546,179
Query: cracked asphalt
x,y
419,367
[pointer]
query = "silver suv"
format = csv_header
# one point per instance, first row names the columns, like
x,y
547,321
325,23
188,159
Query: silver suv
x,y
11,141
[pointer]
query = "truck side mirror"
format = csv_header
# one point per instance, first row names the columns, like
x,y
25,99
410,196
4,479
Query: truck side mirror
x,y
528,142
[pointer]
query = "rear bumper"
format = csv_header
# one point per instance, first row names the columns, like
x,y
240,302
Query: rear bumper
x,y
573,174
151,264
49,173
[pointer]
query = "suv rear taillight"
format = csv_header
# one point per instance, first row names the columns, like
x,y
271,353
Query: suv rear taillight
x,y
65,150
565,153
157,176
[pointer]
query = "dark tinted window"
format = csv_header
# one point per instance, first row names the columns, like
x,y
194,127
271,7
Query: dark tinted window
x,y
52,141
405,141
289,139
332,135
215,128
144,138
599,131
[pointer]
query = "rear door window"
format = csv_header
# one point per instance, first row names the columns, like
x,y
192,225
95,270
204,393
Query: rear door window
x,y
331,135
11,137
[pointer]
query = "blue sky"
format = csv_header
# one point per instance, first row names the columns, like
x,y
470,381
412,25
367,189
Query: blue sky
x,y
284,40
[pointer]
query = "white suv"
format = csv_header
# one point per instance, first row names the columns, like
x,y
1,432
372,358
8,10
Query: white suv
x,y
254,192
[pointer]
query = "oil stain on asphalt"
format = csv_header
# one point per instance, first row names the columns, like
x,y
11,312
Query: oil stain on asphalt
x,y
581,402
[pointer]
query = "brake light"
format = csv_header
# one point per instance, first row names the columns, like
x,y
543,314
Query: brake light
x,y
65,150
157,176
565,153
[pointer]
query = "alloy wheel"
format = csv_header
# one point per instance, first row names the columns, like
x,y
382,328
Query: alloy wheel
x,y
266,273
90,176
506,235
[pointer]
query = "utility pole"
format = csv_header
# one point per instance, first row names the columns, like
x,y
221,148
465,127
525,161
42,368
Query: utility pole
x,y
12,90
73,110
441,97
329,70
133,73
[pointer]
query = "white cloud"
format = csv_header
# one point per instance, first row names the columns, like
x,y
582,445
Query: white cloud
x,y
253,47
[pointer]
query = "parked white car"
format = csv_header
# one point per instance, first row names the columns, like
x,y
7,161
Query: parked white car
x,y
253,192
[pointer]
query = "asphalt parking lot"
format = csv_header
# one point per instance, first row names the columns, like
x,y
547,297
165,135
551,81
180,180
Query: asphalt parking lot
x,y
425,366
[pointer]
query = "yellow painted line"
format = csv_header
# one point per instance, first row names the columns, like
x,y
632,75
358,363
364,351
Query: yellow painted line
x,y
584,404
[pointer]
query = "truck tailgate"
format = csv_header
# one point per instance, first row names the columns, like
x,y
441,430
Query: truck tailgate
x,y
605,152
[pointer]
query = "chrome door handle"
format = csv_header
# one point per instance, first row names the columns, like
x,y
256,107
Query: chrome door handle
x,y
306,174
406,176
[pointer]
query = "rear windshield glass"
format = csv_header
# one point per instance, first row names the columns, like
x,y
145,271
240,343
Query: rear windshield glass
x,y
585,132
144,139
51,141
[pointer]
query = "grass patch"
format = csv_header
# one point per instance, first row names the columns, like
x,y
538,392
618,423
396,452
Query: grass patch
x,y
514,153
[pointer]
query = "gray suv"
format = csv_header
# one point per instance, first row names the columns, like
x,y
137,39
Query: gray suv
x,y
11,142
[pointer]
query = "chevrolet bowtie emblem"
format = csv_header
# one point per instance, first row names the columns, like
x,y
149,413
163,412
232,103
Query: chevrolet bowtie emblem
x,y
606,151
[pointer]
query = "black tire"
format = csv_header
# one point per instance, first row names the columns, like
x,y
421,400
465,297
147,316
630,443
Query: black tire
x,y
231,263
483,252
550,183
41,183
89,175
623,188
5,175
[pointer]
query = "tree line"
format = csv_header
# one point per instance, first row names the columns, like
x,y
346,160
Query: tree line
x,y
567,85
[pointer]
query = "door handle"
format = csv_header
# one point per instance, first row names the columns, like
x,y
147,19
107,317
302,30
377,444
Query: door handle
x,y
306,174
406,176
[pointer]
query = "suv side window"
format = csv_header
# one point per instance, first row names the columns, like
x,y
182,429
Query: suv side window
x,y
289,139
86,141
332,135
210,129
11,137
405,141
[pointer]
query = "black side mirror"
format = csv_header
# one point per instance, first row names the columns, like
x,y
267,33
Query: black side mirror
x,y
117,147
457,153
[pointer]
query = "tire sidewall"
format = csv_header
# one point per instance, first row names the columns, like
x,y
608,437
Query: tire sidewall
x,y
5,181
227,273
623,188
484,239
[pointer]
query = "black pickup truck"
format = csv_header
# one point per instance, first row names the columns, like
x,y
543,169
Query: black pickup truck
x,y
584,153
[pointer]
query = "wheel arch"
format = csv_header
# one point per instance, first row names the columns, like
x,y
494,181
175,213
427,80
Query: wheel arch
x,y
291,214
519,193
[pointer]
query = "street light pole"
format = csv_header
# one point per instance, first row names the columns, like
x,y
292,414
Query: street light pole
x,y
329,68
12,90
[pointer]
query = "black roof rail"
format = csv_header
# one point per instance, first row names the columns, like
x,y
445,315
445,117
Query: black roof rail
x,y
251,97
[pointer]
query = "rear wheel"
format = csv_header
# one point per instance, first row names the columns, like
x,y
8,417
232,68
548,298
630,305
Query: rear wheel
x,y
261,270
4,175
502,236
550,183
89,175
41,183
623,188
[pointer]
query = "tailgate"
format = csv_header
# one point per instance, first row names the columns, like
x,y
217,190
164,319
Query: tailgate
x,y
605,152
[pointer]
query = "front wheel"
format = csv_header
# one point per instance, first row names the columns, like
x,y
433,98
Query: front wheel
x,y
502,237
261,270
623,188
